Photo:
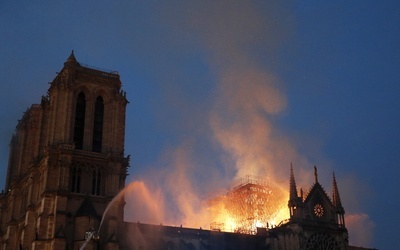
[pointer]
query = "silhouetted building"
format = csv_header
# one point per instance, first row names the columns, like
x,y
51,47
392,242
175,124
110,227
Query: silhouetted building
x,y
67,163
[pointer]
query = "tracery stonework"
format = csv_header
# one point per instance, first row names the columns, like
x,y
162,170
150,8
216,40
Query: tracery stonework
x,y
322,241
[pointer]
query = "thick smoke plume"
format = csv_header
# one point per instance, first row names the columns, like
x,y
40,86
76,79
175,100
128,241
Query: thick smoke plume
x,y
248,96
239,122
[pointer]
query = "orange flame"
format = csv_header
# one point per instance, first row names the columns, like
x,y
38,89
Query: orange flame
x,y
252,203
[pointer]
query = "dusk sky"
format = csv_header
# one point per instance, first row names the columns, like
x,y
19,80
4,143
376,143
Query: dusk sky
x,y
221,89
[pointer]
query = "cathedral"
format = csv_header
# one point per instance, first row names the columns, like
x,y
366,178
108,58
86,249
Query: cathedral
x,y
67,163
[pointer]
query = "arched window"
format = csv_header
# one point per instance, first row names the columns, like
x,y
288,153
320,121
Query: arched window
x,y
98,125
76,179
79,120
96,182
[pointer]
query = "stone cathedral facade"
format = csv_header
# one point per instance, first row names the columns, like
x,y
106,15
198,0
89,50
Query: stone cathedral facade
x,y
67,163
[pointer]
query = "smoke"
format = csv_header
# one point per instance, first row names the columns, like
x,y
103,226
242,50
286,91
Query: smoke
x,y
143,203
181,187
168,196
248,96
241,125
239,122
361,228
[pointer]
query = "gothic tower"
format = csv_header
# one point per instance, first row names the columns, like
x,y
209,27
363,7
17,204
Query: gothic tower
x,y
66,164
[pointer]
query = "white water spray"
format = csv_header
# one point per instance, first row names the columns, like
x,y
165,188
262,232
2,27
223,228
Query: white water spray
x,y
93,234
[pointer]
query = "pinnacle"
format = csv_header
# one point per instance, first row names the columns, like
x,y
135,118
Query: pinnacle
x,y
71,61
315,174
71,57
293,188
335,193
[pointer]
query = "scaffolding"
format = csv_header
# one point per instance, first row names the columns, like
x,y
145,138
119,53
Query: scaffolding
x,y
251,202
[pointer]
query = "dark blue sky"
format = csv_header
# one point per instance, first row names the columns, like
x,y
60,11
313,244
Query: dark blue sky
x,y
231,88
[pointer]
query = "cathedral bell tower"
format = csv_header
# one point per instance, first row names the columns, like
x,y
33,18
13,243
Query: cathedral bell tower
x,y
66,164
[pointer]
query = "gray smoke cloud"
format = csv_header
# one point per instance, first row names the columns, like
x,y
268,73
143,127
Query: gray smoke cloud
x,y
247,96
238,116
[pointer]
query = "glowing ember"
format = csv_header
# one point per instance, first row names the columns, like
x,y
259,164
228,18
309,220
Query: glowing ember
x,y
252,202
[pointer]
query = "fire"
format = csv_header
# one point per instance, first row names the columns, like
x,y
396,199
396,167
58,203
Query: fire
x,y
252,202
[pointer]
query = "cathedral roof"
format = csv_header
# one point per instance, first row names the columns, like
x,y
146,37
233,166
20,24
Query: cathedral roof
x,y
317,190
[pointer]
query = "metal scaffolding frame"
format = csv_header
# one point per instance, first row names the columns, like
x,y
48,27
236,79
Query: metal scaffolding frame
x,y
251,202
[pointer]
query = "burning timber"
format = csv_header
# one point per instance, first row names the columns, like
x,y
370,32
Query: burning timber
x,y
251,202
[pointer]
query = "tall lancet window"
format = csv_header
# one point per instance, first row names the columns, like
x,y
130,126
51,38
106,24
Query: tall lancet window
x,y
96,182
76,179
98,125
79,120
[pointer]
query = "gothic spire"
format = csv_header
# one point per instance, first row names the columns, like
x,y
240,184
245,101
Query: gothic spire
x,y
335,194
293,189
